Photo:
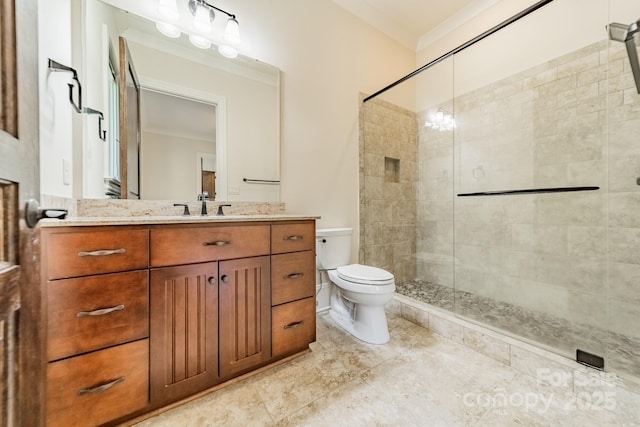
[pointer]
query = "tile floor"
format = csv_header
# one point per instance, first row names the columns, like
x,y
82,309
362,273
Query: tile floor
x,y
621,352
417,379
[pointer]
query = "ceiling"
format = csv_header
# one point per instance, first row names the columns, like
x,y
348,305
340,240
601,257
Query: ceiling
x,y
415,23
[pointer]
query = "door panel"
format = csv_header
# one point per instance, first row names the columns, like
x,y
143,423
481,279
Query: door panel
x,y
21,362
245,314
129,126
184,331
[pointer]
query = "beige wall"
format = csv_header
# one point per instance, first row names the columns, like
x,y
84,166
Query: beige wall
x,y
56,115
327,57
168,166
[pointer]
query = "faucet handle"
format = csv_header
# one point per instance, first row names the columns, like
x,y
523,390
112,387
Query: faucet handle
x,y
220,211
186,208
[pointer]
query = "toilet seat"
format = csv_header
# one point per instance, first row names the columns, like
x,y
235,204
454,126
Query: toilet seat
x,y
365,275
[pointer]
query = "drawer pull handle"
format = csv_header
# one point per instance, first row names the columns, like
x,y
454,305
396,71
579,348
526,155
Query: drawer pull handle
x,y
211,280
100,388
100,312
294,276
103,252
294,325
225,278
293,237
217,243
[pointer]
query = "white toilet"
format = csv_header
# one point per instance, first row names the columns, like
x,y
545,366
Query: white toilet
x,y
360,291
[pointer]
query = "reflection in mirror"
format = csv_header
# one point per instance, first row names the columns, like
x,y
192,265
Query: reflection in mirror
x,y
129,126
244,95
178,136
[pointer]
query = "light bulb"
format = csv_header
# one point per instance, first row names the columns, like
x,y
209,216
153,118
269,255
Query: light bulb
x,y
168,29
227,51
202,19
199,41
168,9
232,32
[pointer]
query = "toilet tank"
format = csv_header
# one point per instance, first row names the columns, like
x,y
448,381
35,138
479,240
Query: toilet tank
x,y
333,247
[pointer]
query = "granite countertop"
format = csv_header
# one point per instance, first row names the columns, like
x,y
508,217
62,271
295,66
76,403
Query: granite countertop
x,y
150,220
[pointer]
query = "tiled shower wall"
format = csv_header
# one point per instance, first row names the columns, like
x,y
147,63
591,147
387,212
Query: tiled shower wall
x,y
388,182
545,127
573,121
541,128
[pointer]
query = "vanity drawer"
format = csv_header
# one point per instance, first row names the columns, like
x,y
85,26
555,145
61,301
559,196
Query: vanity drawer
x,y
90,313
97,387
292,276
84,252
189,245
293,237
293,326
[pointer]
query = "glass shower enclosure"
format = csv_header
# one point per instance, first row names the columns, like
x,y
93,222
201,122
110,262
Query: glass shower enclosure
x,y
502,182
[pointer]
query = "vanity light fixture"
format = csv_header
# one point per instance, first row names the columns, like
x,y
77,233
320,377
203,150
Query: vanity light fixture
x,y
227,51
202,17
200,27
199,41
168,9
168,30
441,121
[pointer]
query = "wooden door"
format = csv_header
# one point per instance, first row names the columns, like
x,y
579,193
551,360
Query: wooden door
x,y
209,184
245,314
183,331
129,92
21,350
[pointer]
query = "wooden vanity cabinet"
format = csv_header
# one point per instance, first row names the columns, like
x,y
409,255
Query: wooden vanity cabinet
x,y
293,285
143,316
97,324
245,315
209,321
184,331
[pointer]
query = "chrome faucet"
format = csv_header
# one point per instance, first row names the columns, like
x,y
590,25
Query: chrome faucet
x,y
204,197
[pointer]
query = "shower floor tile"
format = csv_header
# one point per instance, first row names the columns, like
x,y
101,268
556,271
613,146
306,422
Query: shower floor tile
x,y
621,352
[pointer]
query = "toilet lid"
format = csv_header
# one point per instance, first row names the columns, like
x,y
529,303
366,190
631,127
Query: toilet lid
x,y
365,274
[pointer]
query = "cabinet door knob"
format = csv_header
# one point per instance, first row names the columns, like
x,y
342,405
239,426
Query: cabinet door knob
x,y
211,280
225,278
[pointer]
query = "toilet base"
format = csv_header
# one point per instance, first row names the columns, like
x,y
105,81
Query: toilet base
x,y
367,323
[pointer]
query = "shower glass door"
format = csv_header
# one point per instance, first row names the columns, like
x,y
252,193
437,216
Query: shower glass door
x,y
623,134
530,179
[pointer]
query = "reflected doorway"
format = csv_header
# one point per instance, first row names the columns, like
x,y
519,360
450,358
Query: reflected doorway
x,y
175,129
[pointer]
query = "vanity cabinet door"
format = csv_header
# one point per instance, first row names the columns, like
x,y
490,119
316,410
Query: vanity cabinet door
x,y
245,314
183,331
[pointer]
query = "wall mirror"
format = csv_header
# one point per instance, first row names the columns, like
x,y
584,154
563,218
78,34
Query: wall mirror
x,y
206,122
